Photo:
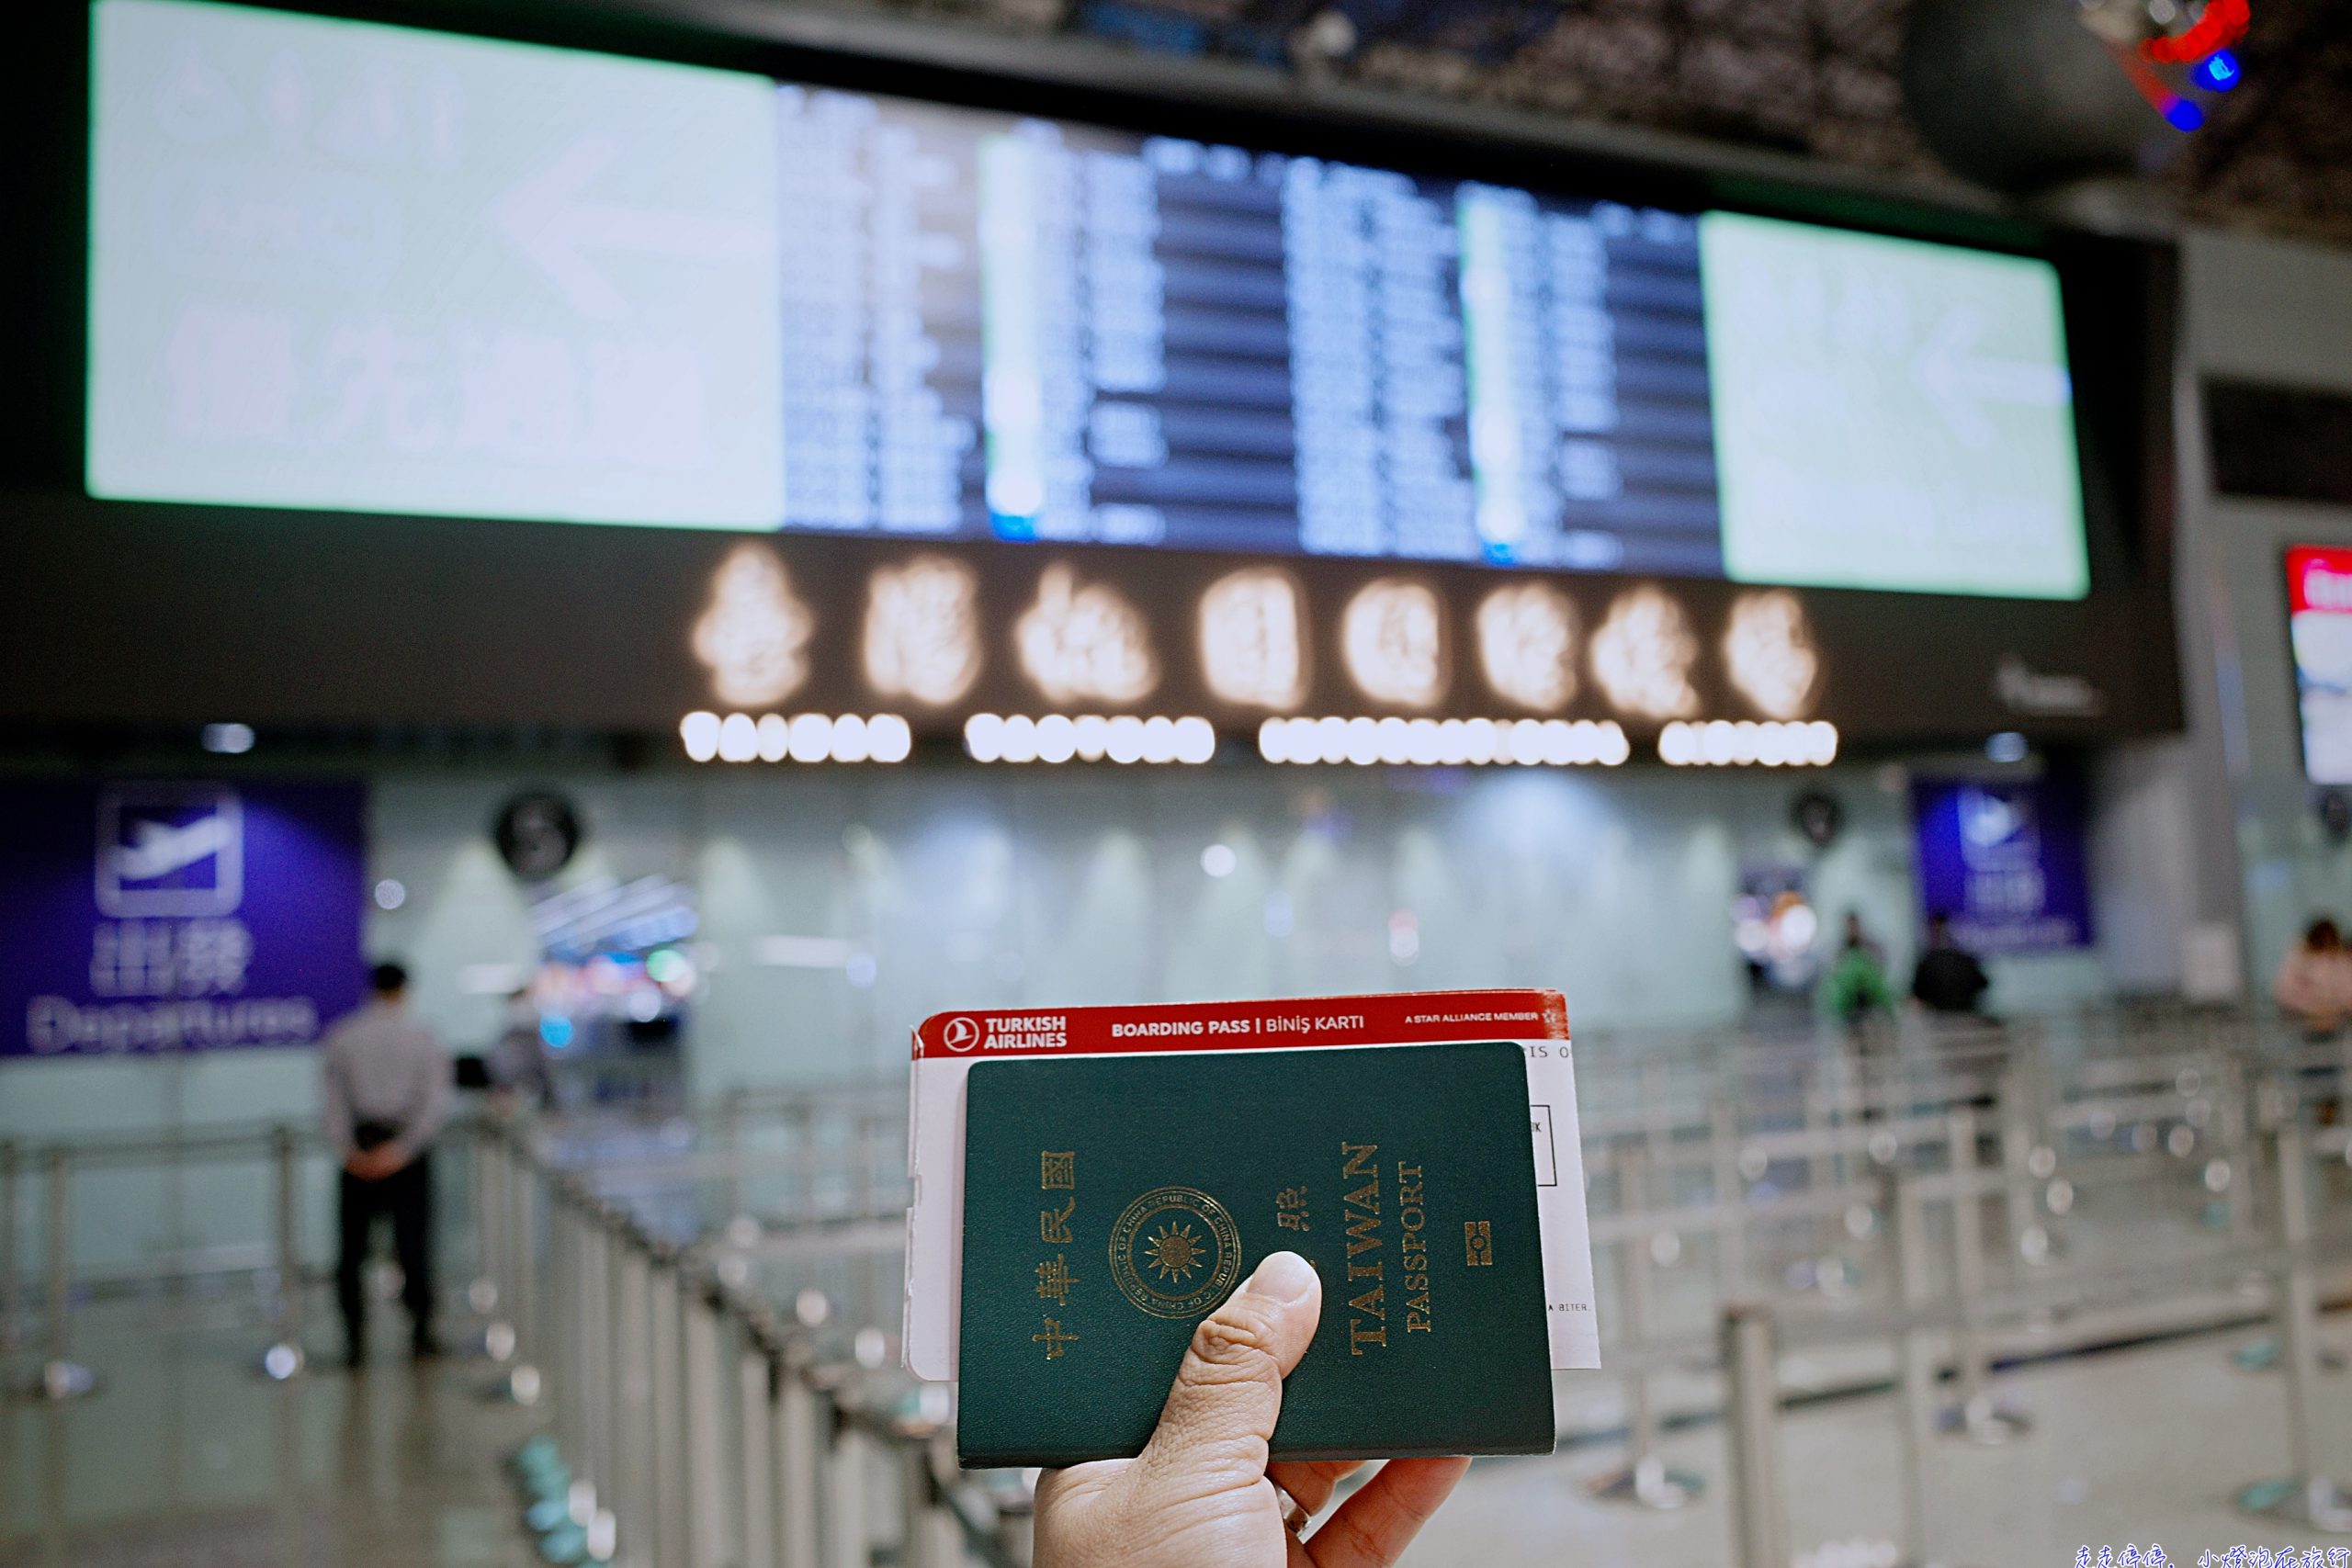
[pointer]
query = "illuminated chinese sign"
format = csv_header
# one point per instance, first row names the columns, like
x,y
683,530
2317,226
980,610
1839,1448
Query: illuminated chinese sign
x,y
753,634
1042,657
923,630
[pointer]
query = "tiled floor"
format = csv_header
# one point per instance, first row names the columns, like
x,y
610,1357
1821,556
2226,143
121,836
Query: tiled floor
x,y
2134,1446
187,1458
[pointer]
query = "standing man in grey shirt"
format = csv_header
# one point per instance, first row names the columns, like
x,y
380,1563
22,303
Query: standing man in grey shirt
x,y
387,1089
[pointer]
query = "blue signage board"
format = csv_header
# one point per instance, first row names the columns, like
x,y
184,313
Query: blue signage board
x,y
2005,860
140,915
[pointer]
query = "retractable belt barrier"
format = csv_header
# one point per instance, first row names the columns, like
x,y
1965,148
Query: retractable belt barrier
x,y
700,1306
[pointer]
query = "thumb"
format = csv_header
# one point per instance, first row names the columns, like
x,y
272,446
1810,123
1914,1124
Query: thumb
x,y
1214,1427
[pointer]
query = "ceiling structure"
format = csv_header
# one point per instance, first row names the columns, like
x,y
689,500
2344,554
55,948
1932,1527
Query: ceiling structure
x,y
1818,77
2280,148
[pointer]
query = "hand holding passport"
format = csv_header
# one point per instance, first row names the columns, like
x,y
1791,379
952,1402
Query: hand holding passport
x,y
1202,1261
1109,1196
1199,1496
1110,1203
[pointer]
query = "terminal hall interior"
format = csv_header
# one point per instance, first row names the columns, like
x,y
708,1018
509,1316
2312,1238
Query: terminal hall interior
x,y
577,571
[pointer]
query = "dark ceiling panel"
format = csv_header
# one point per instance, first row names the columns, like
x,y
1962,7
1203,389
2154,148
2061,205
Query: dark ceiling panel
x,y
1816,75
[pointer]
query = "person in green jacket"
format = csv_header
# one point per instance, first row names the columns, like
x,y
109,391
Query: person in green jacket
x,y
1856,988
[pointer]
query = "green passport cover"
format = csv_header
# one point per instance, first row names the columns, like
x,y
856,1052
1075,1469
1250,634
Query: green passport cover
x,y
1110,1203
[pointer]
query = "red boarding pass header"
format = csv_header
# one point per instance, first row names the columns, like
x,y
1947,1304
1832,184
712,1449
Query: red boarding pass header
x,y
1378,1020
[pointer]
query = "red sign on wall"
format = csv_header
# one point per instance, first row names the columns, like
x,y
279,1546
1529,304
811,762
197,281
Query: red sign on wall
x,y
2319,622
2319,577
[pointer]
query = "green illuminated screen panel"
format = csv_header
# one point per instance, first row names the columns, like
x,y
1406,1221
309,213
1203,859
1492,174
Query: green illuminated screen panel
x,y
343,266
1889,413
350,266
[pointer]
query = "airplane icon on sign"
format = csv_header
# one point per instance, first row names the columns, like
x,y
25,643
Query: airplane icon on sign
x,y
170,850
158,850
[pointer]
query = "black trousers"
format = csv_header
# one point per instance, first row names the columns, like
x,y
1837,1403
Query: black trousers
x,y
406,1196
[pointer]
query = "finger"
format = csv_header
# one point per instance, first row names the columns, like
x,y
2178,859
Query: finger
x,y
1065,1507
1078,1480
1311,1483
1213,1430
1372,1527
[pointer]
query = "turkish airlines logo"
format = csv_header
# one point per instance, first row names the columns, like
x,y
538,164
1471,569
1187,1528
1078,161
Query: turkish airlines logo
x,y
960,1033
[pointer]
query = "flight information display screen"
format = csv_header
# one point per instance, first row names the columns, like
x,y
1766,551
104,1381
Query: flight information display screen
x,y
1036,330
339,266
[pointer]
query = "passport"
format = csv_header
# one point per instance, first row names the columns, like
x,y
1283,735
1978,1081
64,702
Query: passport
x,y
1110,1203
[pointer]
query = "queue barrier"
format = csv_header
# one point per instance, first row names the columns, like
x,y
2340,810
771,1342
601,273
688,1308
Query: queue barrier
x,y
1900,1160
702,1416
1751,1344
59,1378
854,1462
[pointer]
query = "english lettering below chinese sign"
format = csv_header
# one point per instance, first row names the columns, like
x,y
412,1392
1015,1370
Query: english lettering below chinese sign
x,y
169,915
2005,860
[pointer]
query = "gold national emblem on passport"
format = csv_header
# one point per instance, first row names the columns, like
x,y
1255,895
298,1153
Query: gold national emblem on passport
x,y
1175,1252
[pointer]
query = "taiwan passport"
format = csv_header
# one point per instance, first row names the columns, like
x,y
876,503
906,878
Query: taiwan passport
x,y
1110,1203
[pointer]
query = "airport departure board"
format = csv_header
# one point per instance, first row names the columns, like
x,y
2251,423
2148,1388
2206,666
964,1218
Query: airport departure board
x,y
1036,330
343,266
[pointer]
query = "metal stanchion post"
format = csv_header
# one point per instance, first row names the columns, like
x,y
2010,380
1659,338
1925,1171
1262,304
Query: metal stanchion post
x,y
1978,1416
502,1174
482,1291
284,1358
1016,1524
522,1381
562,1373
756,1370
931,1536
634,1487
1822,1172
2237,1148
578,1359
871,1291
1752,1394
807,1157
572,1356
2305,1497
1913,1382
2029,1239
2278,1097
929,1533
592,1306
798,1481
604,1328
1914,1375
731,1142
706,1546
12,1299
62,1378
1731,1199
668,1413
588,1361
1645,1479
848,1535
1656,1123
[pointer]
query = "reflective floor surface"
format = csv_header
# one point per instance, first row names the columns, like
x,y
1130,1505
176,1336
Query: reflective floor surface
x,y
187,1458
2136,1446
